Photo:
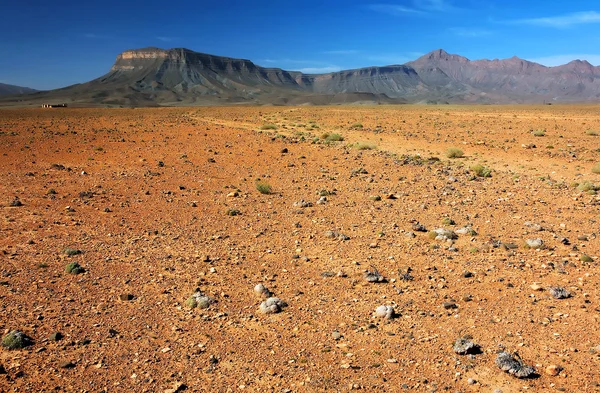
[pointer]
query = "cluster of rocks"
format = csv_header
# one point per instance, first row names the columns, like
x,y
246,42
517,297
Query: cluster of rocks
x,y
271,304
199,300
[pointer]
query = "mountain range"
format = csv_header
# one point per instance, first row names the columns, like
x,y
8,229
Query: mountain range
x,y
6,90
153,76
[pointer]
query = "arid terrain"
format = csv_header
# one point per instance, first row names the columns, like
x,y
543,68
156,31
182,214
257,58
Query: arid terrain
x,y
157,204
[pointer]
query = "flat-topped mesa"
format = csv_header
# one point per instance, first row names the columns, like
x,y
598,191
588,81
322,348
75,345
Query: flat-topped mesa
x,y
141,58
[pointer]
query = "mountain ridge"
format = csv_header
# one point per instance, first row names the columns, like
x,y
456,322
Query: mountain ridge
x,y
179,76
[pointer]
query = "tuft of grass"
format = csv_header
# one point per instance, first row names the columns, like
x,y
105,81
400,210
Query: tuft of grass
x,y
269,126
263,187
588,186
596,168
481,171
364,146
539,133
454,152
356,126
586,258
592,132
327,137
72,251
448,221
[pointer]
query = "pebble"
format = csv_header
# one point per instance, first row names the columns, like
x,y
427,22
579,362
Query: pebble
x,y
66,364
336,335
535,244
449,305
56,336
272,305
536,287
126,297
553,370
559,292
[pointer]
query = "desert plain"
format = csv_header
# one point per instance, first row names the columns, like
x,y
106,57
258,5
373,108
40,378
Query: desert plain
x,y
158,204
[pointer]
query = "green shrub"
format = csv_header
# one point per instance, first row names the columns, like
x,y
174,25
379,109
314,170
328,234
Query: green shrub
x,y
356,126
587,186
586,258
268,127
448,221
481,171
454,152
263,187
591,133
74,268
16,340
596,168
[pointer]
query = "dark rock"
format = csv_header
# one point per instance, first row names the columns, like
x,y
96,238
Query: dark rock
x,y
56,336
449,305
66,364
126,297
513,365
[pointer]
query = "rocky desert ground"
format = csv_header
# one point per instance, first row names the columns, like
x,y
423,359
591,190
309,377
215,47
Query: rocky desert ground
x,y
402,248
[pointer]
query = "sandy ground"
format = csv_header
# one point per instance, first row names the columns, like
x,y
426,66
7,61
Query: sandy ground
x,y
144,194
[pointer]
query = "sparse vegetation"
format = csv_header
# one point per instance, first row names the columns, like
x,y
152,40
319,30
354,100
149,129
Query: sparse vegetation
x,y
74,268
269,126
327,137
356,126
454,152
263,187
481,171
16,340
539,133
363,146
72,251
591,133
596,168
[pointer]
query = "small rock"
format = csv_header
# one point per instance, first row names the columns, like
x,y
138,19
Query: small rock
x,y
513,365
444,234
2,369
467,274
336,335
536,287
559,292
66,364
177,387
56,336
262,291
199,300
553,370
16,202
449,305
386,312
126,297
535,244
410,235
418,227
272,305
374,276
464,346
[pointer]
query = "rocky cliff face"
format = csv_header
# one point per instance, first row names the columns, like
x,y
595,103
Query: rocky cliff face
x,y
153,76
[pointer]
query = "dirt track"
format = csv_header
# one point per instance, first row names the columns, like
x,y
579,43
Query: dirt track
x,y
144,194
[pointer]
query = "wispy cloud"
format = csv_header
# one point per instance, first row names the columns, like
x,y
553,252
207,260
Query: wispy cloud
x,y
469,33
319,70
165,39
562,21
395,10
341,52
96,36
556,60
418,7
393,58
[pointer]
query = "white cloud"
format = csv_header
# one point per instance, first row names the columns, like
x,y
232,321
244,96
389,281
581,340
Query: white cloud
x,y
319,70
419,7
562,21
341,52
466,32
556,60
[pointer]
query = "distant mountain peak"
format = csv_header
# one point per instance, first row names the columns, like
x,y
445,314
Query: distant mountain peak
x,y
441,55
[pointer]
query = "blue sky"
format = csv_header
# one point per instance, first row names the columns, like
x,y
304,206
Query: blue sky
x,y
51,44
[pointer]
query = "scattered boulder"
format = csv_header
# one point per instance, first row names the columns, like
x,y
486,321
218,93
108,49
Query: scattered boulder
x,y
444,234
272,305
262,291
374,276
386,312
464,346
199,300
16,339
553,370
302,203
336,235
512,364
466,230
419,227
535,244
559,292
